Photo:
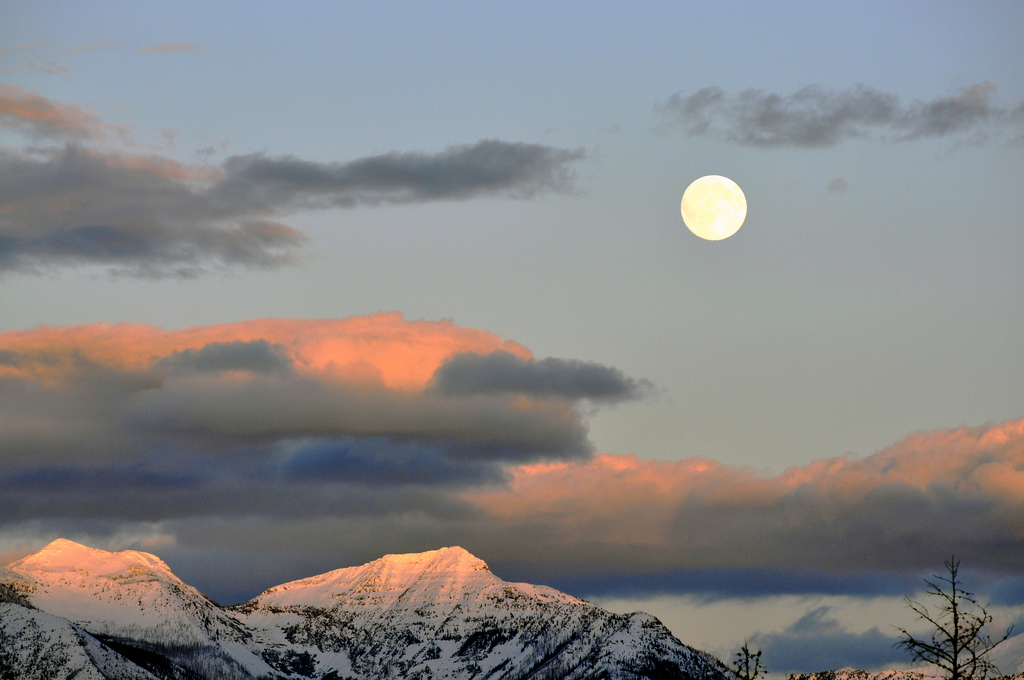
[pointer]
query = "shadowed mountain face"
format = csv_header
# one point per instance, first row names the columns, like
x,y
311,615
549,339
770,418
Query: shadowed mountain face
x,y
438,614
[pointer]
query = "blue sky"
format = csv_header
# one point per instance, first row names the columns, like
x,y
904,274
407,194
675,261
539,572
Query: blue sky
x,y
517,169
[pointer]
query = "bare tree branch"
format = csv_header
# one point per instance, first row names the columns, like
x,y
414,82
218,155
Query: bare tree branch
x,y
957,644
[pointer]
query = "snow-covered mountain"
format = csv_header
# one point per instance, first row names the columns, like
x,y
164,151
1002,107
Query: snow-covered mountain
x,y
433,615
132,597
35,645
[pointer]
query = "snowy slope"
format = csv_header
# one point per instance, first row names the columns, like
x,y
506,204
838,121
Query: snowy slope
x,y
35,645
1008,655
443,614
126,593
133,596
434,615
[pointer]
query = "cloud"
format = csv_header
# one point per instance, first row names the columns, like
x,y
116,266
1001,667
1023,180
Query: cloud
x,y
49,68
900,511
256,356
91,46
152,216
171,47
137,423
837,185
815,117
379,434
42,118
489,167
503,372
817,642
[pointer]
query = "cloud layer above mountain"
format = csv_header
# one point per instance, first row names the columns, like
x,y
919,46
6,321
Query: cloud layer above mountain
x,y
377,434
901,510
133,422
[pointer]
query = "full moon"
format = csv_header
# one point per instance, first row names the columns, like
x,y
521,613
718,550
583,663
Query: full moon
x,y
713,207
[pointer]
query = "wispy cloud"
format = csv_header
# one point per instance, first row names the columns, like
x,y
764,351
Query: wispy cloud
x,y
50,68
43,118
151,216
92,46
488,167
172,47
818,117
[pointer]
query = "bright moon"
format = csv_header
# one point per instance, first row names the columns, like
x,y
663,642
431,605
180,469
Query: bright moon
x,y
714,207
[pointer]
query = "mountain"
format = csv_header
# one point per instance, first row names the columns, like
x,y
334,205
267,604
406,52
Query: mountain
x,y
1008,655
35,645
132,598
429,616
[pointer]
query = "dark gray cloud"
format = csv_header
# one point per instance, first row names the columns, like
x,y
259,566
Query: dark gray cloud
x,y
385,461
817,117
489,167
817,642
258,356
141,215
503,372
151,216
192,404
134,422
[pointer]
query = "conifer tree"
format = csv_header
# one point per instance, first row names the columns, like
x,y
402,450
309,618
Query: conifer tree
x,y
748,664
957,643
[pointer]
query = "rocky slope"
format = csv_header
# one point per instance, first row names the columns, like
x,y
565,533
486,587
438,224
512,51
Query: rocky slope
x,y
433,615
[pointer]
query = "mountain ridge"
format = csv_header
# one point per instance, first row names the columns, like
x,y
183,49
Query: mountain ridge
x,y
441,614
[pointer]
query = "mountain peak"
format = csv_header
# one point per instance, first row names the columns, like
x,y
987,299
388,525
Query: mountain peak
x,y
66,555
443,574
453,559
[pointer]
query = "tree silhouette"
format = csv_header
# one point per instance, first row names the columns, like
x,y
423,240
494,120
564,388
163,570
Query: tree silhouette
x,y
957,644
748,665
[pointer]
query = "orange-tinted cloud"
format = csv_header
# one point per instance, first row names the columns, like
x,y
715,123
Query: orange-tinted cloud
x,y
931,494
41,117
293,389
384,348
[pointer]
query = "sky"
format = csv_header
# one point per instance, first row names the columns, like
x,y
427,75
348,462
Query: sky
x,y
285,288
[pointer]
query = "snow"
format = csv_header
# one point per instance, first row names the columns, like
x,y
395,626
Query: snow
x,y
441,613
439,577
44,646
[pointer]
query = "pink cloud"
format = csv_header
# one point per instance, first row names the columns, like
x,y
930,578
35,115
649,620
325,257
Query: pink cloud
x,y
384,348
106,394
936,492
42,117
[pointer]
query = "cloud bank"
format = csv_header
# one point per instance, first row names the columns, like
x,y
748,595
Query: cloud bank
x,y
132,422
332,442
146,215
899,511
815,117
